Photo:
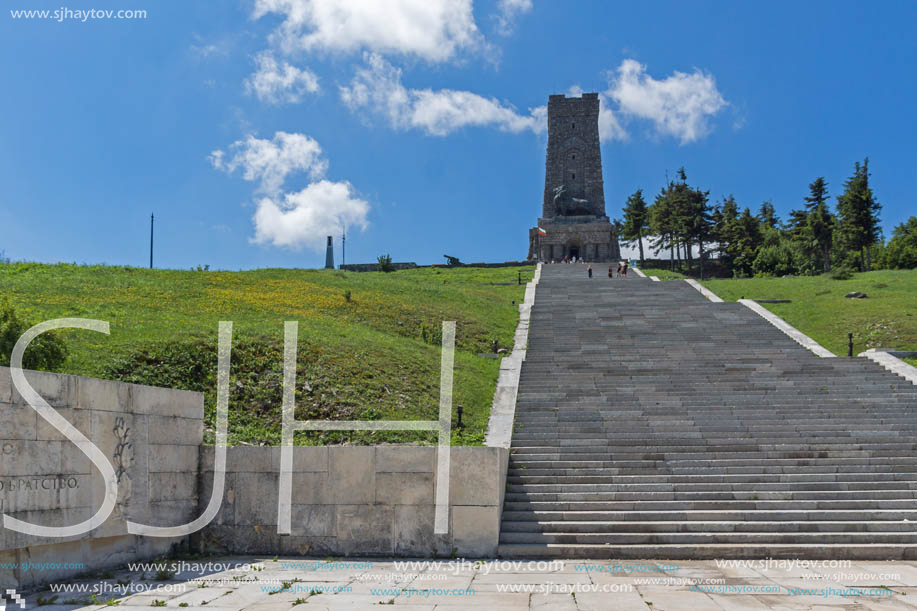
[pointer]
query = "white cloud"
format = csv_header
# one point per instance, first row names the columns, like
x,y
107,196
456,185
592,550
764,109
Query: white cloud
x,y
377,88
508,11
203,49
609,127
292,219
306,217
574,91
434,30
206,50
446,110
279,82
270,161
679,105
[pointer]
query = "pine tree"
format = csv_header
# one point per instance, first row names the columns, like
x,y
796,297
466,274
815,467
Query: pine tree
x,y
821,226
818,194
701,226
682,215
767,215
725,230
748,240
694,221
636,220
797,224
858,214
662,223
811,228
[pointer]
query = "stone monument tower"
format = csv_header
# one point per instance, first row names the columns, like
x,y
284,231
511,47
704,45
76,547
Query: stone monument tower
x,y
573,221
329,254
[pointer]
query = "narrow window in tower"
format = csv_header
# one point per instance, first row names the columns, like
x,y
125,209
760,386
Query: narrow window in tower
x,y
573,126
574,157
574,176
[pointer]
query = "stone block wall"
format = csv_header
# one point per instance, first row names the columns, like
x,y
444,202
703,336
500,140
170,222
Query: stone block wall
x,y
357,500
374,267
346,500
152,438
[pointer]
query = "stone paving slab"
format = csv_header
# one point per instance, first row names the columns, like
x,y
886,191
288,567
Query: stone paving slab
x,y
268,584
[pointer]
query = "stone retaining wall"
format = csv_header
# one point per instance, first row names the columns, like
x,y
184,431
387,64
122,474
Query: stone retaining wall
x,y
366,500
356,500
152,438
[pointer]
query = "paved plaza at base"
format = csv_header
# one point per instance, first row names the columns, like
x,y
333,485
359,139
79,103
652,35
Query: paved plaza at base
x,y
236,583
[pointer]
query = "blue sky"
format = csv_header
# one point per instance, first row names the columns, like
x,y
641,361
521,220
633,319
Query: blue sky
x,y
250,127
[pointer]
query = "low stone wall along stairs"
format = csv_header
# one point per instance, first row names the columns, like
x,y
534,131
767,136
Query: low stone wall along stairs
x,y
652,423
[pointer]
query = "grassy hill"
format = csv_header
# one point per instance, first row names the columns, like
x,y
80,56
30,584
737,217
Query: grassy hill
x,y
886,319
368,342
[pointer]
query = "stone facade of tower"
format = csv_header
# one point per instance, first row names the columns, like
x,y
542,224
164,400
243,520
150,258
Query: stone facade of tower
x,y
573,216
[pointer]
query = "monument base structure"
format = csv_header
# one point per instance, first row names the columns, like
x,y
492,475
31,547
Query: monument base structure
x,y
588,238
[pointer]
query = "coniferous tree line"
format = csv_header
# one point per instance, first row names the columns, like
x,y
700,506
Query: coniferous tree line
x,y
813,239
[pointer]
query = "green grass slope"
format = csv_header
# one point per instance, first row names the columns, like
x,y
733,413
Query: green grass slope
x,y
887,318
369,343
662,274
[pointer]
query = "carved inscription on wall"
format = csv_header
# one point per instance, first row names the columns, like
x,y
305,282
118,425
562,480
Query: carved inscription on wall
x,y
15,487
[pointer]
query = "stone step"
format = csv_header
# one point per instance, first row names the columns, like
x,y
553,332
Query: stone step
x,y
845,551
553,484
707,538
564,494
587,475
713,515
627,452
651,423
634,442
720,464
815,526
730,505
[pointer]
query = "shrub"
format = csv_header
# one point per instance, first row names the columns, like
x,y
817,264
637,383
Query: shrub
x,y
431,334
385,263
842,272
901,252
774,260
846,258
46,352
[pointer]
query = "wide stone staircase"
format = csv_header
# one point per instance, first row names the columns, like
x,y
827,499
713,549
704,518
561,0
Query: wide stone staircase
x,y
651,422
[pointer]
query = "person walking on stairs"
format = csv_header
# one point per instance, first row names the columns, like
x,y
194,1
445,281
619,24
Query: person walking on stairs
x,y
589,271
